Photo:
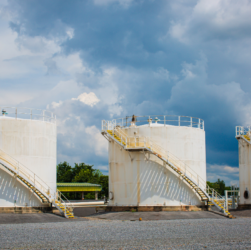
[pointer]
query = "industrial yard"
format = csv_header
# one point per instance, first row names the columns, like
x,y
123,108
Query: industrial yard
x,y
89,233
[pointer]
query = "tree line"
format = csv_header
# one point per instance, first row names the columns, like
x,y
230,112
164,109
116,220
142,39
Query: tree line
x,y
82,172
219,186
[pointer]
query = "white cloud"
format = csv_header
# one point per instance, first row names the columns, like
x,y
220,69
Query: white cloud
x,y
214,19
104,168
124,3
231,169
70,32
98,142
223,172
162,73
56,104
89,99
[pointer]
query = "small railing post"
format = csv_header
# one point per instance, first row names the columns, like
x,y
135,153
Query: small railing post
x,y
191,121
179,121
164,120
199,124
31,114
43,115
16,113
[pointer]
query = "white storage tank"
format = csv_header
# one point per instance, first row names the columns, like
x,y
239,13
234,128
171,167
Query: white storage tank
x,y
30,137
243,135
137,178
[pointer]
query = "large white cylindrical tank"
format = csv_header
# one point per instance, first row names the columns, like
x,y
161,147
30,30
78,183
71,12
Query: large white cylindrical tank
x,y
137,179
33,143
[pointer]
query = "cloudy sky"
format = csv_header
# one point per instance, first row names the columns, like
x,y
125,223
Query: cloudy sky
x,y
88,60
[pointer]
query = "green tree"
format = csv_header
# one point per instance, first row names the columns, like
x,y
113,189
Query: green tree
x,y
64,172
86,173
82,172
218,186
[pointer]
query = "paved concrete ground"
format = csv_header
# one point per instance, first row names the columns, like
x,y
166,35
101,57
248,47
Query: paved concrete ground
x,y
106,234
34,218
88,213
156,215
241,213
84,211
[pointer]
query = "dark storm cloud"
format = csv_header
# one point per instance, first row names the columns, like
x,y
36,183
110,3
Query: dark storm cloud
x,y
144,57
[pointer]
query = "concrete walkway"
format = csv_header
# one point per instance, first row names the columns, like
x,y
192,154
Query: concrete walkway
x,y
146,216
34,218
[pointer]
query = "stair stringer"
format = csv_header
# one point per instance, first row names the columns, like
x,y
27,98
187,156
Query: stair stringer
x,y
168,169
63,209
44,197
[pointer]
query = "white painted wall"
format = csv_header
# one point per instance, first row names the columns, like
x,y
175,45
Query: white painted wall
x,y
34,144
134,180
244,170
11,189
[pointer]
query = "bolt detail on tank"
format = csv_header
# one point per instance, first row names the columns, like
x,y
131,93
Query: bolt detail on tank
x,y
158,161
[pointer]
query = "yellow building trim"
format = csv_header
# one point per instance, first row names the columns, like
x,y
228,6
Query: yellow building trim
x,y
79,189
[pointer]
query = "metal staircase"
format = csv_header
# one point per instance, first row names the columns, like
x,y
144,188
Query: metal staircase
x,y
243,133
36,185
137,143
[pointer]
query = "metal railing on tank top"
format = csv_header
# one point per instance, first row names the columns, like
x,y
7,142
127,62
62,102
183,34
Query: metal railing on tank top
x,y
173,120
28,113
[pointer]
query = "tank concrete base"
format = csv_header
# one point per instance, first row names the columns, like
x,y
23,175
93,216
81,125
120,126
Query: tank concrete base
x,y
25,210
244,206
154,208
152,216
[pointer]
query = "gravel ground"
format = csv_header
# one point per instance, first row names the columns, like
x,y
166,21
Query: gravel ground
x,y
105,234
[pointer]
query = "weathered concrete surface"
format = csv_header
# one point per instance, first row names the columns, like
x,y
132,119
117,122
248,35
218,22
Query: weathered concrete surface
x,y
84,211
25,210
147,216
34,218
154,208
241,213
